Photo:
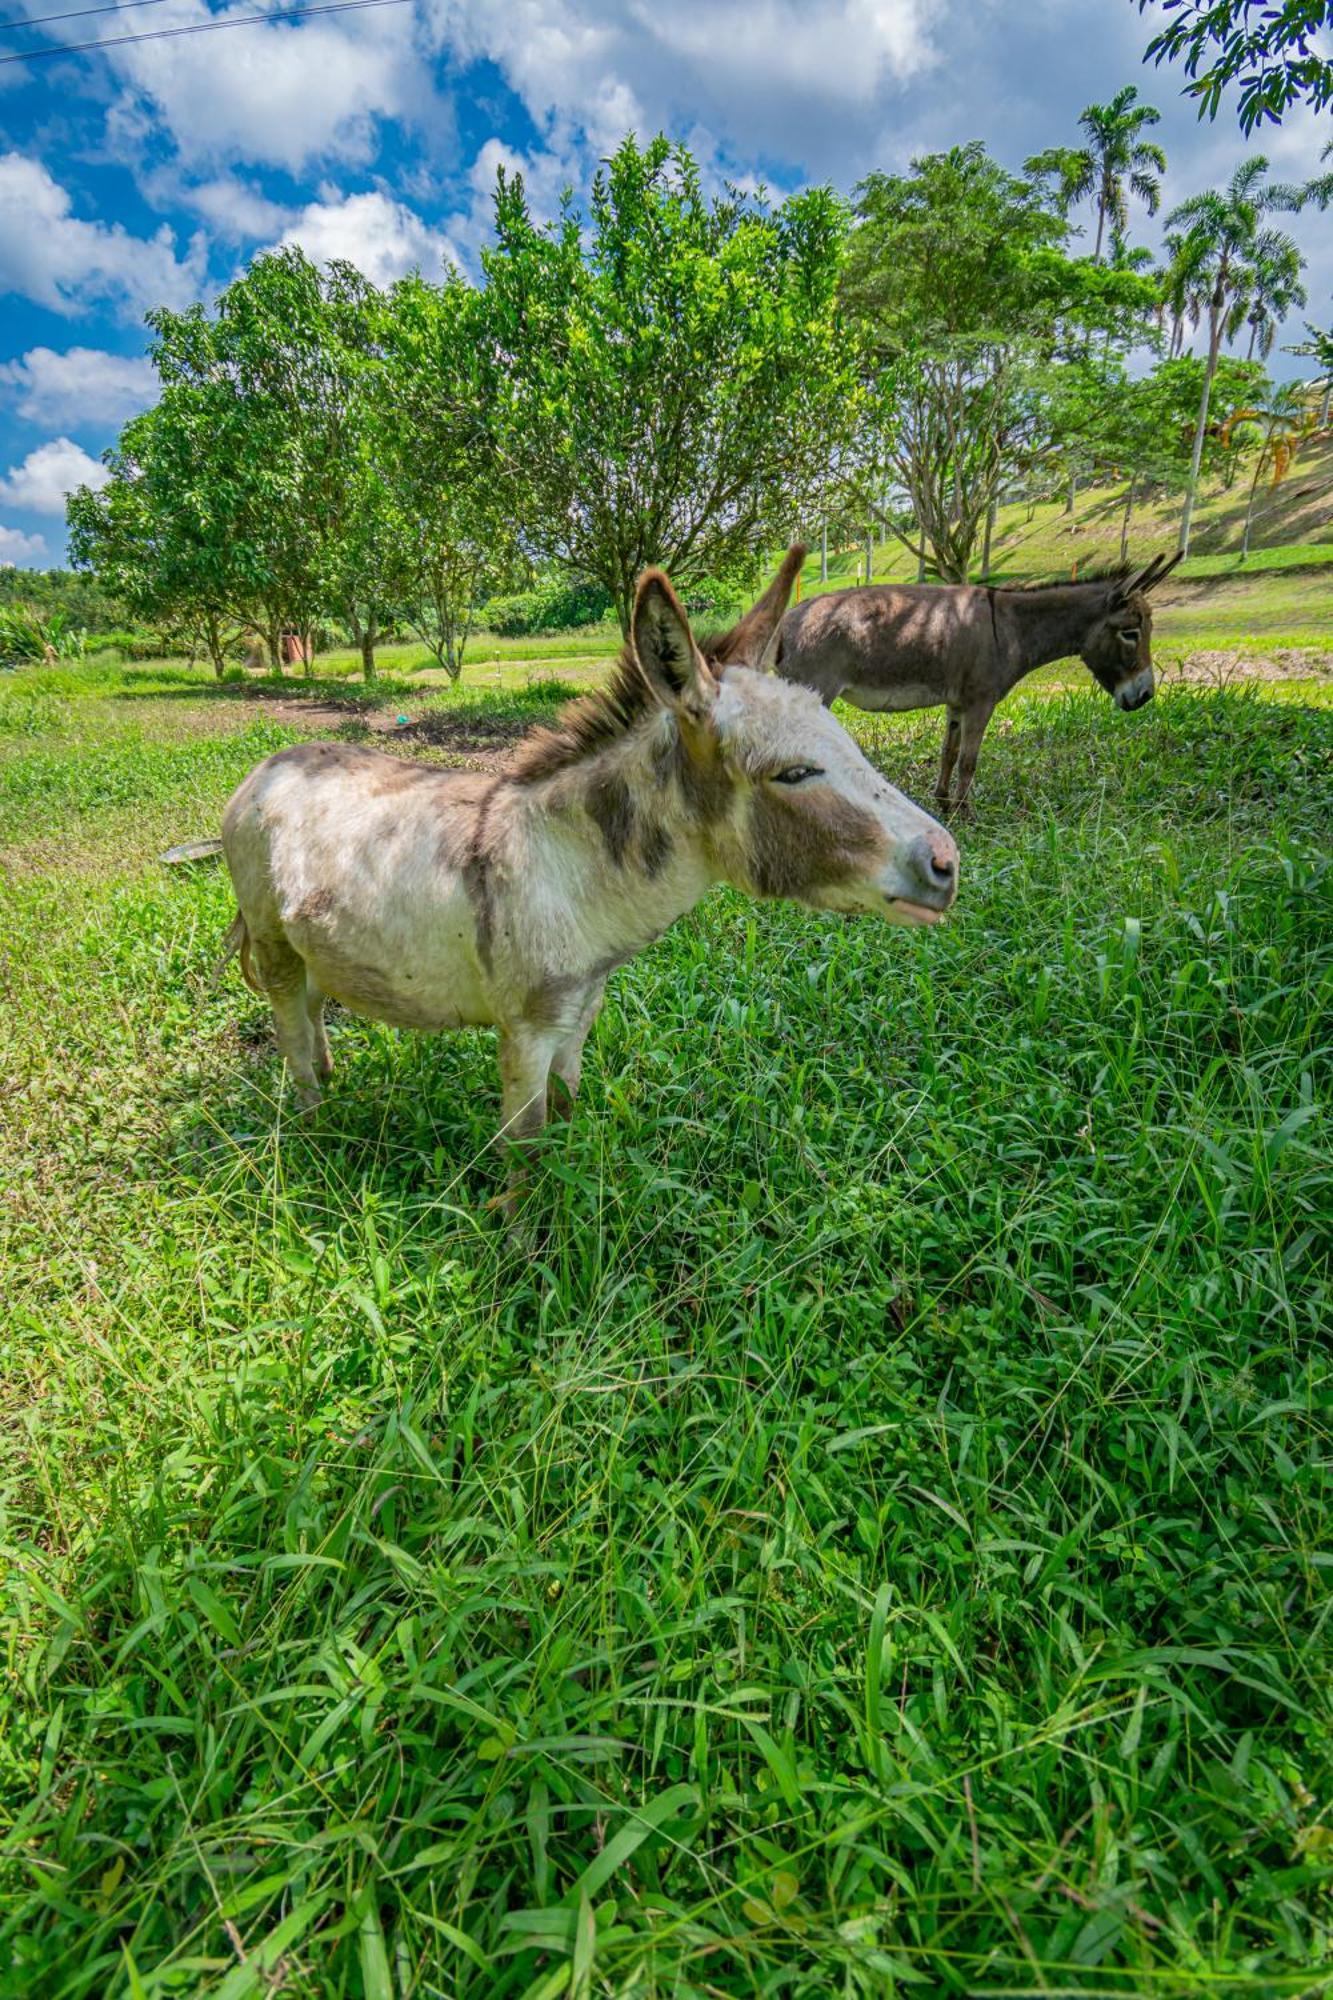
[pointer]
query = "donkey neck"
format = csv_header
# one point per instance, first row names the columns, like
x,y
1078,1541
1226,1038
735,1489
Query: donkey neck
x,y
628,833
1044,625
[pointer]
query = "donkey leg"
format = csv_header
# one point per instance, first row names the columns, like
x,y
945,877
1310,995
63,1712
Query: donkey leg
x,y
282,975
974,728
525,1067
567,1062
314,1006
953,736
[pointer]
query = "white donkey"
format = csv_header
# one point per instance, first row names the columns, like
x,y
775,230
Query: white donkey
x,y
443,899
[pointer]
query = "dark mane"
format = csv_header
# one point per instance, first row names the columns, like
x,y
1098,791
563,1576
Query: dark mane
x,y
1114,573
585,726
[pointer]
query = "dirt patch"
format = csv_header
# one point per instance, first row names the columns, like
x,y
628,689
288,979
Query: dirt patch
x,y
473,742
1229,667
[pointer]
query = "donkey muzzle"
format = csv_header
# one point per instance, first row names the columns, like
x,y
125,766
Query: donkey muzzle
x,y
1135,689
928,872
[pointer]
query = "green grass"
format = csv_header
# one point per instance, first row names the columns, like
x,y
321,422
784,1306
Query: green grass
x,y
881,1545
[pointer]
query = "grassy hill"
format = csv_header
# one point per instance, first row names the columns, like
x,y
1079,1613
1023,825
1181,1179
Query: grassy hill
x,y
1280,595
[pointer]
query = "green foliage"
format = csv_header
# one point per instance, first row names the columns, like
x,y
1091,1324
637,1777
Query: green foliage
x,y
1115,162
881,1546
455,500
1271,53
554,605
27,638
964,295
81,599
670,374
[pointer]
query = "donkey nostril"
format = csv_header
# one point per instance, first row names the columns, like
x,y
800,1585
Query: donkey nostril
x,y
934,863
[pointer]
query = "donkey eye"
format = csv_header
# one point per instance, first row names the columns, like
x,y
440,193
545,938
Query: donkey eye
x,y
796,774
1130,638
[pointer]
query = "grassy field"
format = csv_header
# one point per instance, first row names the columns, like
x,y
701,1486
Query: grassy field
x,y
880,1546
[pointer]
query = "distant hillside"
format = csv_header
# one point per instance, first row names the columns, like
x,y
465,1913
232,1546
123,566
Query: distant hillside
x,y
1292,522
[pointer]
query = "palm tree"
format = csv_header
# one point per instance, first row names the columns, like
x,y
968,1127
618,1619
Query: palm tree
x,y
1183,287
1221,236
1114,163
1318,347
1275,287
1284,421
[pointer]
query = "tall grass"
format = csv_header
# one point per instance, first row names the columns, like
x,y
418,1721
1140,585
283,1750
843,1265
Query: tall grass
x,y
880,1545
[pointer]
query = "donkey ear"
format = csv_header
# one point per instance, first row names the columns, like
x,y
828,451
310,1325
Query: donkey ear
x,y
749,644
1146,579
664,646
1161,568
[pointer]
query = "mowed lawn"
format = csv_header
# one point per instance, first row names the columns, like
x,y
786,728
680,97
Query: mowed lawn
x,y
881,1545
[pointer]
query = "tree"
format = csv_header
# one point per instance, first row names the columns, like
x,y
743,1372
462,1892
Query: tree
x,y
239,465
1318,347
1267,48
964,297
155,534
447,480
1283,421
1275,287
676,386
1115,163
1220,235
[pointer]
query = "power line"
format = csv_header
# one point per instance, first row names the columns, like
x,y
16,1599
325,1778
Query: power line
x,y
201,28
77,13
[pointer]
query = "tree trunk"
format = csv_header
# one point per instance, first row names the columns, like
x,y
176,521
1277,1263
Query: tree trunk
x,y
213,640
1328,399
921,568
991,511
1101,224
368,672
273,640
1072,493
823,553
1249,507
870,550
1201,428
1124,522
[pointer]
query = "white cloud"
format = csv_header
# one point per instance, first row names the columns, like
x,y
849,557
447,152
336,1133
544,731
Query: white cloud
x,y
83,386
18,549
235,211
49,256
777,76
47,474
381,237
280,96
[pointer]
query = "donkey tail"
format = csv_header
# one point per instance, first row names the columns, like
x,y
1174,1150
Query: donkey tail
x,y
190,850
236,939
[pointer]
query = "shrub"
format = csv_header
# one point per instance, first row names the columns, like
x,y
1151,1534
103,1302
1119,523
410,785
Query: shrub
x,y
556,605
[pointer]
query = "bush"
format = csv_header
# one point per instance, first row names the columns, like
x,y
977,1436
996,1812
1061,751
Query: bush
x,y
556,605
137,645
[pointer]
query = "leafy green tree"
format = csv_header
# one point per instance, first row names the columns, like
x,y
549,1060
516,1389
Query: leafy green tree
x,y
1115,162
301,360
957,278
676,385
153,534
236,462
450,489
1140,429
1269,49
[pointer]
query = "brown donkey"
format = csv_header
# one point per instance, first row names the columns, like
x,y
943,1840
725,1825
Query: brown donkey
x,y
900,646
442,899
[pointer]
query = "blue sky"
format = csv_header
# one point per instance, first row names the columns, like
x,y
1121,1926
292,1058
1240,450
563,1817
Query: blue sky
x,y
150,173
